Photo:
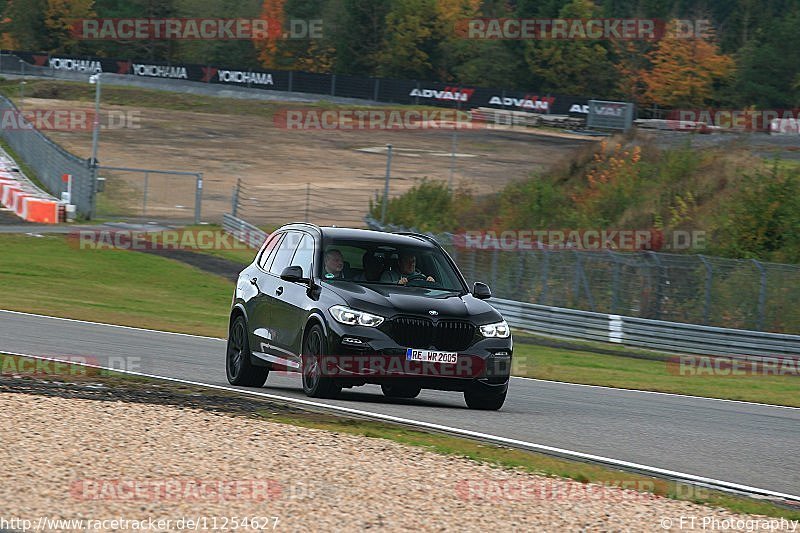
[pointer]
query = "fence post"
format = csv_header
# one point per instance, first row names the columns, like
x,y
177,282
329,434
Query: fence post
x,y
308,196
614,282
545,276
707,299
472,259
333,84
495,254
235,197
762,295
198,198
376,89
291,80
386,184
657,308
144,199
576,281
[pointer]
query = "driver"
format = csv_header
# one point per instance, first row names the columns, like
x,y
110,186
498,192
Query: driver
x,y
407,271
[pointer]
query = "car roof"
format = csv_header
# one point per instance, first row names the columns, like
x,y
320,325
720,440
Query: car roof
x,y
378,237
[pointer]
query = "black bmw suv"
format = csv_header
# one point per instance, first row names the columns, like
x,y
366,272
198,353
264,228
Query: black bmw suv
x,y
347,307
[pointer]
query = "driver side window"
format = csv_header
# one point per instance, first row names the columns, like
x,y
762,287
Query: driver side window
x,y
284,252
304,255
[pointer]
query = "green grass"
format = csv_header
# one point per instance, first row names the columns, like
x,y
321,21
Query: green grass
x,y
50,275
576,366
498,456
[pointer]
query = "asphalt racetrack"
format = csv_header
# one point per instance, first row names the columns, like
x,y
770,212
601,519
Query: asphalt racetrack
x,y
749,444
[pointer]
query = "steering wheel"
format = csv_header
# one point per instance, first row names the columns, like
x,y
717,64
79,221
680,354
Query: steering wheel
x,y
417,279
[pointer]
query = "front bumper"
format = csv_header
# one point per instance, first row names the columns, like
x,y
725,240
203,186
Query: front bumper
x,y
361,355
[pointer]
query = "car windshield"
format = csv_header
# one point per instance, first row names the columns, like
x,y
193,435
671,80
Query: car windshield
x,y
376,263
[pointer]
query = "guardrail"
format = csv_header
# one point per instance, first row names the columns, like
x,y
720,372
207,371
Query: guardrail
x,y
574,324
645,333
243,231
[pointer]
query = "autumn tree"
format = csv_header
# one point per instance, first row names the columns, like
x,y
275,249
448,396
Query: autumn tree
x,y
630,65
357,34
23,24
59,18
268,47
409,47
578,66
685,70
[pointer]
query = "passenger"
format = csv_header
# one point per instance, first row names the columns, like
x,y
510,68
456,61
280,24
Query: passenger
x,y
407,270
334,264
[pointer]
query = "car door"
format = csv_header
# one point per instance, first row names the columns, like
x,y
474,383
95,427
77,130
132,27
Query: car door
x,y
258,305
291,303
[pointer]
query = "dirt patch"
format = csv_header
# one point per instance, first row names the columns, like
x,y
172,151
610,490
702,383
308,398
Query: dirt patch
x,y
208,263
324,176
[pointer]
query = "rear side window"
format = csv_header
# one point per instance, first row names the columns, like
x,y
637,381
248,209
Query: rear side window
x,y
267,254
284,252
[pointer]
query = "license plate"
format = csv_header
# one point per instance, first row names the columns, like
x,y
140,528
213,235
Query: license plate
x,y
431,356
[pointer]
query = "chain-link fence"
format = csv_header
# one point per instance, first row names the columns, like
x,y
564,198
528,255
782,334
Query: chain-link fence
x,y
48,160
697,289
150,194
275,205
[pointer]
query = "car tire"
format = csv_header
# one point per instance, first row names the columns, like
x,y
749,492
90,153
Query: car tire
x,y
238,367
315,383
400,391
484,400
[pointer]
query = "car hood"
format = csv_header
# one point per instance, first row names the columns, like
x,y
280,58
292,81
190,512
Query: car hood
x,y
390,300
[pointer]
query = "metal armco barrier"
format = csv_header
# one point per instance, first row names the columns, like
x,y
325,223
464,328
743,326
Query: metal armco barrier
x,y
243,231
644,333
659,335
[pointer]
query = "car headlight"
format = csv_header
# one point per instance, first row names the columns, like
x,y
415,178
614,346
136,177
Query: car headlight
x,y
498,329
351,317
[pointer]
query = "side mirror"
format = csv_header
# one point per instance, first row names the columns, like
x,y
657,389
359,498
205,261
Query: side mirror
x,y
481,291
293,274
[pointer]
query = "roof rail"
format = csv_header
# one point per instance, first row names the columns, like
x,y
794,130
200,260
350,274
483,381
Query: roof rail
x,y
418,235
303,224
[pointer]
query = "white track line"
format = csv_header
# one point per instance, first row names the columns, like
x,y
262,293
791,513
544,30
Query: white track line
x,y
714,483
678,395
675,394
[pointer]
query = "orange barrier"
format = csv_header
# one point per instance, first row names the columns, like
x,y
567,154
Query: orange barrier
x,y
41,211
25,204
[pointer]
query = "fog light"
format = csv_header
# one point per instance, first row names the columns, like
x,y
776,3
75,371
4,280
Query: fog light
x,y
352,340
